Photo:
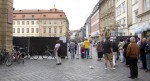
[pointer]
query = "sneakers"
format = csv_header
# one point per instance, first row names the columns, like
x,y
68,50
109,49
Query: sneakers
x,y
106,68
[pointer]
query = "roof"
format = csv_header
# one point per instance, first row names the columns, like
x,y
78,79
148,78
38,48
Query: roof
x,y
39,14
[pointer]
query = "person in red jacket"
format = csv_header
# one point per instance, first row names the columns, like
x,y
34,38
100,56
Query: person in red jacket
x,y
82,52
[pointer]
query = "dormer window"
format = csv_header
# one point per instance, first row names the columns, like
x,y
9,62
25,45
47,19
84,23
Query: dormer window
x,y
23,16
32,16
44,15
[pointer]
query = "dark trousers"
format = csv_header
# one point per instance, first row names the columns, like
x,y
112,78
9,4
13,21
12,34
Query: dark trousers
x,y
133,67
144,64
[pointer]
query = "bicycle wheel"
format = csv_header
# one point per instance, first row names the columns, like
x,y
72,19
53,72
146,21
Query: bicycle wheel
x,y
45,55
34,54
9,60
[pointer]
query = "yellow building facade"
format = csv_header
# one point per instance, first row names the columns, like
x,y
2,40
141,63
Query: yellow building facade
x,y
40,23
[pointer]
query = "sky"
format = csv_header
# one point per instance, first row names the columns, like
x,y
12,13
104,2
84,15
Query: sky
x,y
77,11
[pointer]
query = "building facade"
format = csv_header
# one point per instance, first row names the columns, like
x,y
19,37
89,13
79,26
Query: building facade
x,y
123,16
40,23
88,28
6,12
107,18
135,9
143,18
95,23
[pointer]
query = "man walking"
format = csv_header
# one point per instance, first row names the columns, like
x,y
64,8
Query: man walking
x,y
86,45
107,53
132,54
72,50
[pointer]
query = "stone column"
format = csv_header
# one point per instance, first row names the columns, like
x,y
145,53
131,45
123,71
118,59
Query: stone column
x,y
6,20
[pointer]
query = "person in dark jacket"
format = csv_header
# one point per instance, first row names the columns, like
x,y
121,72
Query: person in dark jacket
x,y
143,54
99,49
125,51
147,50
114,49
108,53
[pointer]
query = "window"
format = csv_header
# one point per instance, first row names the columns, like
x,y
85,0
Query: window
x,y
23,23
22,30
14,23
27,30
18,30
32,22
44,31
28,23
146,5
60,30
23,16
37,22
136,13
55,30
13,30
32,30
37,30
135,1
32,16
123,7
49,22
55,22
44,22
49,30
44,16
61,22
18,22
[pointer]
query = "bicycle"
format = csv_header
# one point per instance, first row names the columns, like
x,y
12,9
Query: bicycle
x,y
32,53
5,57
48,53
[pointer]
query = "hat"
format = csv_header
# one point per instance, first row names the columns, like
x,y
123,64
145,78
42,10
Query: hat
x,y
85,37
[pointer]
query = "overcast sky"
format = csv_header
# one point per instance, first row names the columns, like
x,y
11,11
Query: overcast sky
x,y
77,11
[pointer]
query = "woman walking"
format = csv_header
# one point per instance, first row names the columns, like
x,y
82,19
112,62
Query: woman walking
x,y
99,50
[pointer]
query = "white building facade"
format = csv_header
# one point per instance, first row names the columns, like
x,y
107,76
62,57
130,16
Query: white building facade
x,y
123,16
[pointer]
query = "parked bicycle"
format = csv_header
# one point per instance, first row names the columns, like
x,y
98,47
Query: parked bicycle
x,y
47,53
5,57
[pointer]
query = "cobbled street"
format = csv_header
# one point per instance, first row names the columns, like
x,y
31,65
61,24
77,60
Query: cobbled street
x,y
70,70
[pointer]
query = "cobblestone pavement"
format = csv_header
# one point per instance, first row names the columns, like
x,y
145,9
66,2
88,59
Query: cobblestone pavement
x,y
70,70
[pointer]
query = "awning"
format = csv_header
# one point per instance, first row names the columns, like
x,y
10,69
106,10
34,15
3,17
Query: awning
x,y
142,28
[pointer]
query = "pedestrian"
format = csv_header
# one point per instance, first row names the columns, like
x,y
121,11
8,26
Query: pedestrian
x,y
107,53
58,52
143,54
76,46
133,51
82,52
147,50
125,51
114,49
86,45
99,49
120,46
72,50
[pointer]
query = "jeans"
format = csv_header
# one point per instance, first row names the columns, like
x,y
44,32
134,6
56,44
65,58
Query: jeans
x,y
114,58
148,61
72,52
87,53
